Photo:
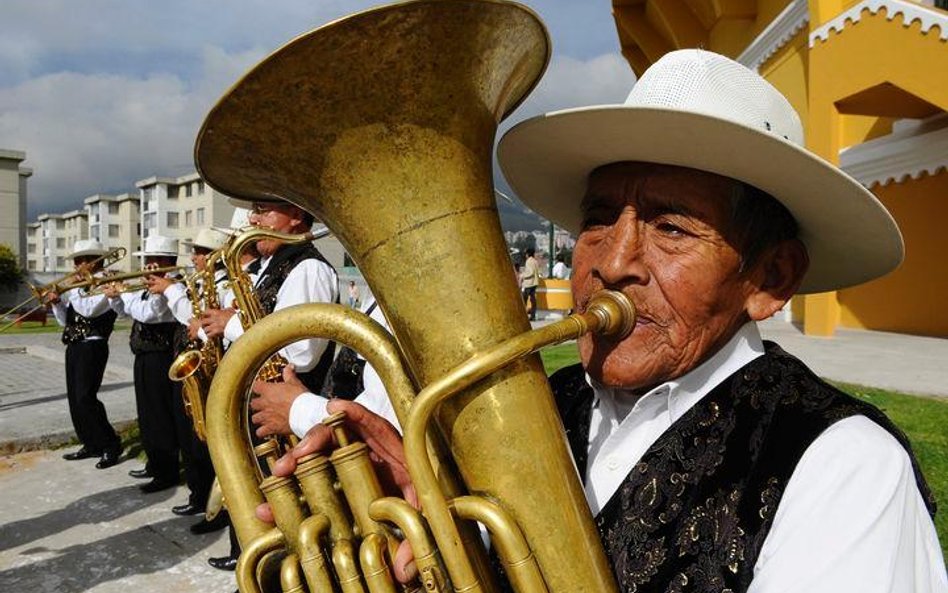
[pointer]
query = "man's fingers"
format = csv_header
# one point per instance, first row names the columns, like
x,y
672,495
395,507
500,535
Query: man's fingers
x,y
264,512
404,563
289,374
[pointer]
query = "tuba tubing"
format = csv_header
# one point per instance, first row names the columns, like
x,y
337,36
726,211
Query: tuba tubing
x,y
608,313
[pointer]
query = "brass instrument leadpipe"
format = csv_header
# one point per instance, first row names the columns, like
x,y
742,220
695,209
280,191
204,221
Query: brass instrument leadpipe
x,y
99,284
609,313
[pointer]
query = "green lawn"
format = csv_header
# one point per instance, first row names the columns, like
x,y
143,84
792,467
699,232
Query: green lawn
x,y
923,419
35,327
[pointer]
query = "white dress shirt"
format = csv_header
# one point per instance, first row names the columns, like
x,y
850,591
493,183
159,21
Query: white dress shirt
x,y
310,281
154,309
87,305
850,519
180,303
309,409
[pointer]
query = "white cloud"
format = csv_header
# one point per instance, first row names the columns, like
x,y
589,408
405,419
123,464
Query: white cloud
x,y
116,92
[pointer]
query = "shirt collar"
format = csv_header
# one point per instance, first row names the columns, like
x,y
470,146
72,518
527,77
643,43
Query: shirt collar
x,y
685,391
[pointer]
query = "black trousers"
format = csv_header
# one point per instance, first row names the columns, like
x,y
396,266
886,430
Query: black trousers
x,y
198,469
155,402
530,296
85,365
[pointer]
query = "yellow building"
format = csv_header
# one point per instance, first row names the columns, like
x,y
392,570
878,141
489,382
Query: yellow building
x,y
870,81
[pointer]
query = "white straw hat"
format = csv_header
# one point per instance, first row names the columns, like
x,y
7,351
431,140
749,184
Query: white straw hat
x,y
240,218
698,109
87,247
159,246
208,238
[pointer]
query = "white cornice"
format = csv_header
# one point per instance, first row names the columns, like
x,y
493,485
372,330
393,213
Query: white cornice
x,y
909,10
916,149
780,30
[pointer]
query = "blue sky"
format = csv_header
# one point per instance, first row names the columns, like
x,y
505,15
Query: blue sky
x,y
102,93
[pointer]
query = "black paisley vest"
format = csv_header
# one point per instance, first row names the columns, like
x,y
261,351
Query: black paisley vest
x,y
267,288
79,328
693,514
152,337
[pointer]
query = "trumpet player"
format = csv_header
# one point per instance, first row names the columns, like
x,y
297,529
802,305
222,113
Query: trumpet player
x,y
289,275
152,342
87,322
198,470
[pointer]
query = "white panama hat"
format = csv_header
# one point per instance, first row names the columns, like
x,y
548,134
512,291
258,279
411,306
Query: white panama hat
x,y
240,218
87,247
698,109
209,238
159,246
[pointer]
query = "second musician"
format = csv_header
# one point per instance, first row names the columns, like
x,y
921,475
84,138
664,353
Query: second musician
x,y
289,275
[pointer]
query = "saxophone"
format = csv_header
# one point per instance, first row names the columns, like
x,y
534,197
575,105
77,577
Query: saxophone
x,y
195,366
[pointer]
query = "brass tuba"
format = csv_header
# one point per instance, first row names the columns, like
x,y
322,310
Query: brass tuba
x,y
382,125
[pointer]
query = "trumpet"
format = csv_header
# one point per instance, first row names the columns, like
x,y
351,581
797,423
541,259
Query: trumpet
x,y
79,278
99,285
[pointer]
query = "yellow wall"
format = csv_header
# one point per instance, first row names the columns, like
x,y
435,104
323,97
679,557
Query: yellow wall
x,y
914,298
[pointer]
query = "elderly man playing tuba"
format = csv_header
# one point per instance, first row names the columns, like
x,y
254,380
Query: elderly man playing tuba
x,y
713,460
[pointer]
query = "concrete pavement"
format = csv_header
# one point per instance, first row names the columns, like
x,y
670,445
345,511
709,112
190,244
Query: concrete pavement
x,y
69,528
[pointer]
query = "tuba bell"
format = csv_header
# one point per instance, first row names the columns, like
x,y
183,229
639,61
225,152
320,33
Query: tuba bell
x,y
382,125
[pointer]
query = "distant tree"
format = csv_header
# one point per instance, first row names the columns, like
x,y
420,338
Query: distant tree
x,y
523,242
10,273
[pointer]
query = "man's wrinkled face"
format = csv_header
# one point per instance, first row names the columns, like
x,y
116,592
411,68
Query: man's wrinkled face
x,y
276,217
659,234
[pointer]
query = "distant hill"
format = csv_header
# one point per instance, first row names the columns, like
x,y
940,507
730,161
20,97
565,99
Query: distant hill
x,y
514,216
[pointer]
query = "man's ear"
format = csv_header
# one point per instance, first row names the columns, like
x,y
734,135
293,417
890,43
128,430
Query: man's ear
x,y
775,278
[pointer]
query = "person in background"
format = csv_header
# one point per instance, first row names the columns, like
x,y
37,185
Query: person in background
x,y
87,322
353,294
529,280
560,270
152,342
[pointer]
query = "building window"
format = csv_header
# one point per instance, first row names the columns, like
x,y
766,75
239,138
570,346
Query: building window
x,y
187,190
31,248
94,231
138,229
60,225
60,242
188,219
200,216
113,208
172,220
60,263
31,265
200,187
150,220
113,231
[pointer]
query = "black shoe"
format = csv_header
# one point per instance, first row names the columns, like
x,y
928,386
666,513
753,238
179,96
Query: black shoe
x,y
140,473
186,509
223,562
157,485
82,453
109,458
204,526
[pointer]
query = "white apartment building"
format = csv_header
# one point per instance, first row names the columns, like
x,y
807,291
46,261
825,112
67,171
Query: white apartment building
x,y
178,207
34,255
53,236
115,221
13,178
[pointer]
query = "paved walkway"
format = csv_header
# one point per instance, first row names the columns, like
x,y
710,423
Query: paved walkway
x,y
69,528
